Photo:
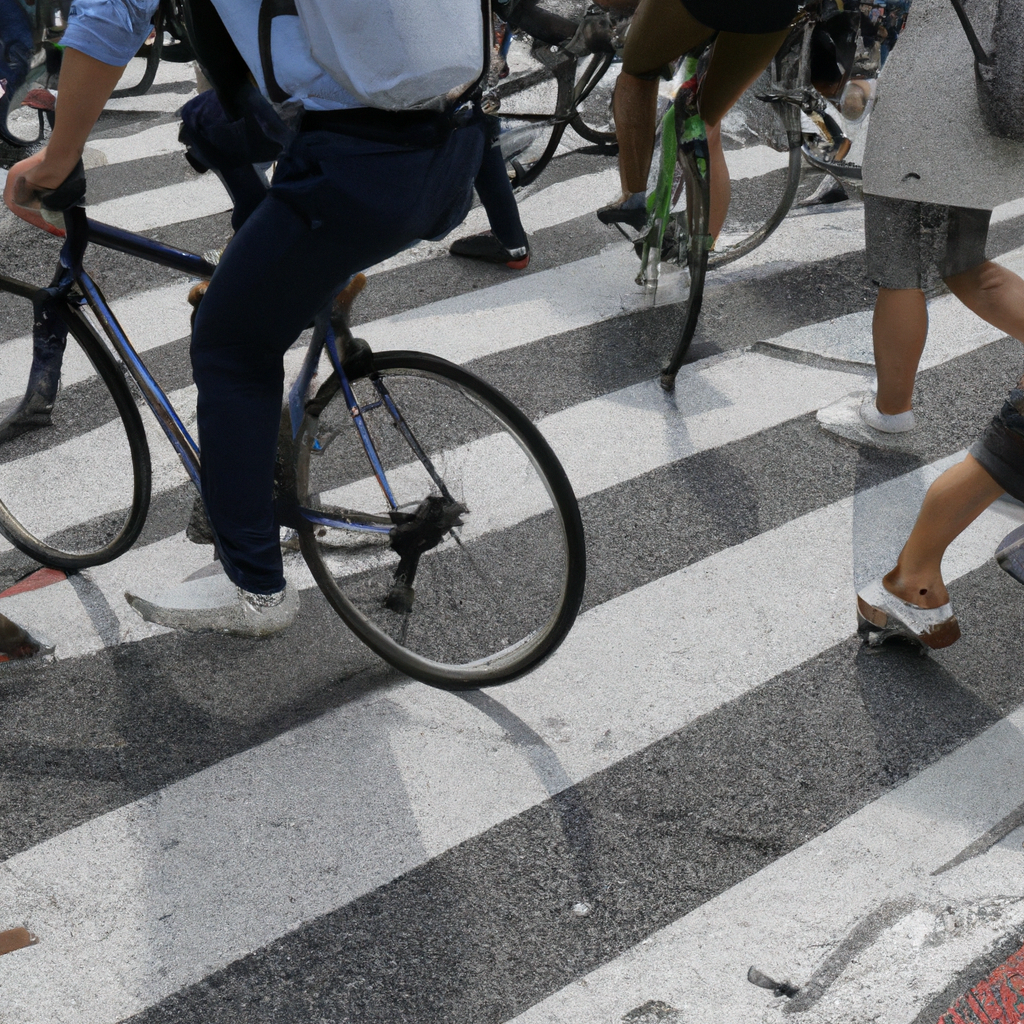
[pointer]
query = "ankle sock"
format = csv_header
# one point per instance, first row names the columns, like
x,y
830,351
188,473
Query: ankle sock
x,y
636,201
898,424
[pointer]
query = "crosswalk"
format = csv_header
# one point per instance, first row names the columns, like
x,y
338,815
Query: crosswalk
x,y
710,773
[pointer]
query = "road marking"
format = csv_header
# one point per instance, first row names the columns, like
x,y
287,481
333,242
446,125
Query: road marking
x,y
953,330
203,196
152,142
140,902
601,442
794,917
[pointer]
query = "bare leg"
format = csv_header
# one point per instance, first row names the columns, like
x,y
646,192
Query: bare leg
x,y
661,30
721,186
899,330
952,503
995,294
635,105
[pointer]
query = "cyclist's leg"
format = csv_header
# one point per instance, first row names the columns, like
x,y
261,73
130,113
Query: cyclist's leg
x,y
337,205
736,61
495,190
660,32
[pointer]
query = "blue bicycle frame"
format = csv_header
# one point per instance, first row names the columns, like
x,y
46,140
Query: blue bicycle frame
x,y
81,231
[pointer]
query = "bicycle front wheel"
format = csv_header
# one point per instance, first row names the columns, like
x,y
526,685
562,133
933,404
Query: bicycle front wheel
x,y
74,463
473,572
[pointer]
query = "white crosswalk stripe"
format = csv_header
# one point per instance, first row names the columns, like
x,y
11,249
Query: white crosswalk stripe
x,y
163,886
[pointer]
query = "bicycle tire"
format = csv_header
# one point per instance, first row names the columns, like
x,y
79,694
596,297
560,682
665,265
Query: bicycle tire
x,y
503,583
70,500
602,133
696,253
152,59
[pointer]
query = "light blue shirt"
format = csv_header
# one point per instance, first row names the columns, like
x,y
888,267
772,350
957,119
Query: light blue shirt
x,y
112,31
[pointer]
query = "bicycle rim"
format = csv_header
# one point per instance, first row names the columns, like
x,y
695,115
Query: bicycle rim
x,y
501,576
594,120
75,489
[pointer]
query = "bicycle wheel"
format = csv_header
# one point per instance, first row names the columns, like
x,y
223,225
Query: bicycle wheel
x,y
693,246
482,573
141,71
75,487
594,120
762,144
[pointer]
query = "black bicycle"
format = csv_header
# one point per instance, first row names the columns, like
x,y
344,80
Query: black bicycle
x,y
568,88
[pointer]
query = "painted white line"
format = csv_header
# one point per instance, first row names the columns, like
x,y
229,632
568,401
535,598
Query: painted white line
x,y
540,209
753,161
172,204
140,902
156,141
789,918
504,316
953,330
602,442
579,294
152,102
150,318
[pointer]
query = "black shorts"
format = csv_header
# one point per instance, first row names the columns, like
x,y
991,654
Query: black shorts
x,y
745,16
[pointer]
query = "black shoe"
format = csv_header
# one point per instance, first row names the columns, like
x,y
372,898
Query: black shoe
x,y
635,217
33,411
486,247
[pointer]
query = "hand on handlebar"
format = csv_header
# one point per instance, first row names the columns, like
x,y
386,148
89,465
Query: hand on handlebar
x,y
31,194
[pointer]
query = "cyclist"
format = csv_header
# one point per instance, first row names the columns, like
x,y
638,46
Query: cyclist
x,y
749,32
355,185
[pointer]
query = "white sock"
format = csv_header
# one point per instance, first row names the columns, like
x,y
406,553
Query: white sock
x,y
898,424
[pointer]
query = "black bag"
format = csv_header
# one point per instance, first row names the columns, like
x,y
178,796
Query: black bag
x,y
1000,75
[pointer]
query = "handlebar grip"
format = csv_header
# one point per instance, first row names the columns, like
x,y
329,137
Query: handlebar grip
x,y
70,192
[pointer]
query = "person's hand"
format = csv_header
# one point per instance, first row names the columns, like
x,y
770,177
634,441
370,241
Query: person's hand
x,y
24,181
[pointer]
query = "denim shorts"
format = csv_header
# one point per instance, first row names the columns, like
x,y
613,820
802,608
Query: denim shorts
x,y
917,245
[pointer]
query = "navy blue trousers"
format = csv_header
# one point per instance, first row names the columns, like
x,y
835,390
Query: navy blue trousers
x,y
337,206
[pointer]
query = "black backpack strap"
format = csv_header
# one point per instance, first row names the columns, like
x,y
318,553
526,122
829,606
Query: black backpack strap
x,y
269,10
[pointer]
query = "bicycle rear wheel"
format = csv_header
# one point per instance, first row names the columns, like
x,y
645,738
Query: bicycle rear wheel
x,y
479,496
594,120
75,490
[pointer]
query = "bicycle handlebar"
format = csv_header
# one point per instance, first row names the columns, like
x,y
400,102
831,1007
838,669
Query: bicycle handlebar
x,y
543,25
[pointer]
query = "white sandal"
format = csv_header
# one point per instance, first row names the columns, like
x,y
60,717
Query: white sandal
x,y
881,614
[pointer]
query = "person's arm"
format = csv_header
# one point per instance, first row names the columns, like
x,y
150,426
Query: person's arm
x,y
85,87
100,40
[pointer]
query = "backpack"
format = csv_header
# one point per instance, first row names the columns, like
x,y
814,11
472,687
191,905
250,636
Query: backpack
x,y
389,54
999,75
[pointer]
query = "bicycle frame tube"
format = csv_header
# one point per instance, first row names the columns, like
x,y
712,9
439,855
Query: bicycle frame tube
x,y
80,231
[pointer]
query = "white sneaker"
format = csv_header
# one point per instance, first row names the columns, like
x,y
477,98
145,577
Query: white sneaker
x,y
215,603
856,419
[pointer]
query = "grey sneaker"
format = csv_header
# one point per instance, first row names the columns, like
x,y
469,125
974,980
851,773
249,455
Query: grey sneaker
x,y
845,419
215,603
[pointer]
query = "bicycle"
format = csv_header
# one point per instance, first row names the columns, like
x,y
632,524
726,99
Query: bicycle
x,y
683,234
577,54
448,538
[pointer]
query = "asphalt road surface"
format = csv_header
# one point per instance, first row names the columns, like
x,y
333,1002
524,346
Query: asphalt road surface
x,y
711,773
